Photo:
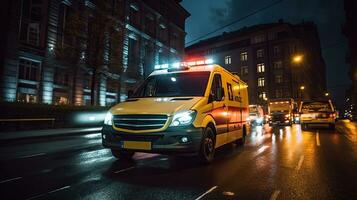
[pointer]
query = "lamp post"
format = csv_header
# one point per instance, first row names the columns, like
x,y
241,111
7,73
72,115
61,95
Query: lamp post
x,y
297,60
302,88
327,94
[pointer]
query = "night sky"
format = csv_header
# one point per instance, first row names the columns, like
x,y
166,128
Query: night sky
x,y
208,15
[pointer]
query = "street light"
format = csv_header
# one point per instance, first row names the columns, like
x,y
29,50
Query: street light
x,y
297,58
302,87
327,94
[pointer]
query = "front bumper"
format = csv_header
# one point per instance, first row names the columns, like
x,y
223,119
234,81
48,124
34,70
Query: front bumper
x,y
165,142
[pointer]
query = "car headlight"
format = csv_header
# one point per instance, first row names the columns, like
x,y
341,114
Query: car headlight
x,y
108,120
183,118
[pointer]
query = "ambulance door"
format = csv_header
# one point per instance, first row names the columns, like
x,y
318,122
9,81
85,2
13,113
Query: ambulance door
x,y
219,109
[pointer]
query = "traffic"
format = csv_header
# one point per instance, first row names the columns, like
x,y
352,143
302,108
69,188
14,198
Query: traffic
x,y
195,107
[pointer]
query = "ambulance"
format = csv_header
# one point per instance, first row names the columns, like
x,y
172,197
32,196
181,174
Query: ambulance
x,y
188,107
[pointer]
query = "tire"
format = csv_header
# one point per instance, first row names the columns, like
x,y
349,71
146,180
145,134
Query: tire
x,y
241,141
207,149
122,154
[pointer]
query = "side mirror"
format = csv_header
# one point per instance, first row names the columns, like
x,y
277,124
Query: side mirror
x,y
130,93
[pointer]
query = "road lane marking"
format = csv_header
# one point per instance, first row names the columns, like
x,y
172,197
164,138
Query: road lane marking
x,y
59,189
11,179
275,195
300,163
30,156
207,192
123,170
50,192
35,197
261,150
318,138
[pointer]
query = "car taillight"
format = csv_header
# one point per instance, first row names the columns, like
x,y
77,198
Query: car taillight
x,y
332,115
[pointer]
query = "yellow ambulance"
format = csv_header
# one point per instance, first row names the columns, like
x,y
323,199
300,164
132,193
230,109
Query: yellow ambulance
x,y
187,107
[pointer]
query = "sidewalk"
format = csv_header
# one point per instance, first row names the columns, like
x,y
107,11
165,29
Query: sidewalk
x,y
46,133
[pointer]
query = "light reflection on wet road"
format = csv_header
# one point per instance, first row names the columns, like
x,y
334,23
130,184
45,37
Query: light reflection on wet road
x,y
279,162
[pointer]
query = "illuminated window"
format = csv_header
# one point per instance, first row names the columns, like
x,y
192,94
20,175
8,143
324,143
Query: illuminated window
x,y
244,70
278,93
244,56
263,95
261,82
260,67
59,100
228,60
26,98
278,65
260,53
29,69
278,78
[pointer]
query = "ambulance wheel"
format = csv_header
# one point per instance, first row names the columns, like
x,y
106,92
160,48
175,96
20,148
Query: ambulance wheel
x,y
122,154
207,149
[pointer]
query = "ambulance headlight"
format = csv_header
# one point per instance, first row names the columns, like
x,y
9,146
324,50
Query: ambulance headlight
x,y
108,120
183,118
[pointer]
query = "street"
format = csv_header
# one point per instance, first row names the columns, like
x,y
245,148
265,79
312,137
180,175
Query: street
x,y
279,163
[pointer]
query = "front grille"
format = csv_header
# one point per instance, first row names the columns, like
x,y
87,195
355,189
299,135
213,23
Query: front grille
x,y
139,122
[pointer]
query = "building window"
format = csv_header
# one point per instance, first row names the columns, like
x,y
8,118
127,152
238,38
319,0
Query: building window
x,y
163,32
260,53
59,100
228,60
244,70
134,15
276,51
258,39
29,70
33,34
279,93
26,98
278,78
31,18
260,68
243,56
261,82
263,95
61,77
278,65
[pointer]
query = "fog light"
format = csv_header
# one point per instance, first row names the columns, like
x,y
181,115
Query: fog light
x,y
104,136
184,139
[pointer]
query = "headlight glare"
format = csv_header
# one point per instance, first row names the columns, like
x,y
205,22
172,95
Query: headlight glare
x,y
183,118
108,120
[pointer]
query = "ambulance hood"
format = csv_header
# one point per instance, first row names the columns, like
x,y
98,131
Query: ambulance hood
x,y
157,105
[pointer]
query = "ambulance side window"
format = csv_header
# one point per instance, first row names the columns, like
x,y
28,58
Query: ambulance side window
x,y
230,91
216,93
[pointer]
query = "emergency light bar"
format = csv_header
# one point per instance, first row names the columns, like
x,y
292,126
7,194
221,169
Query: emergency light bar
x,y
184,65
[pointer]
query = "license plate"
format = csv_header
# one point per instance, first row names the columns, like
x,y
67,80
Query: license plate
x,y
139,145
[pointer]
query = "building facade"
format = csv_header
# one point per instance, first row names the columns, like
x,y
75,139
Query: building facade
x,y
350,31
85,52
277,60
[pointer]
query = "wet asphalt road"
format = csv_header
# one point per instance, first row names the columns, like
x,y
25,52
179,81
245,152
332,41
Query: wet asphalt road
x,y
280,163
